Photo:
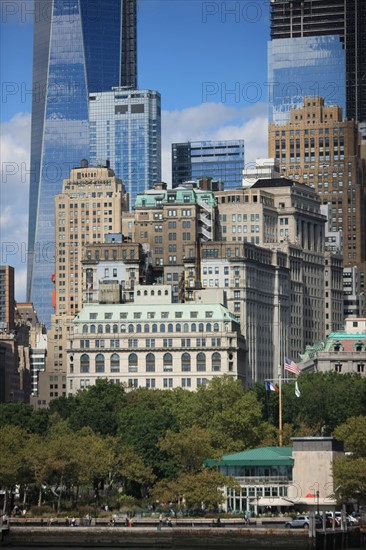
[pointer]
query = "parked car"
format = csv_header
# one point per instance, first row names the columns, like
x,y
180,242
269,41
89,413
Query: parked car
x,y
330,517
351,520
298,522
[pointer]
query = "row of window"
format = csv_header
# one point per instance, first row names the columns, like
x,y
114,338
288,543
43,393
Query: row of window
x,y
149,383
151,343
178,327
150,362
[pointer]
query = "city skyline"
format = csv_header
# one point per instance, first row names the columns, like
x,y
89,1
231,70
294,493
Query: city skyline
x,y
204,108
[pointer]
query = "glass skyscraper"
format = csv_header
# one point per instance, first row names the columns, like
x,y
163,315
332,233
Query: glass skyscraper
x,y
305,67
125,129
79,45
220,160
346,19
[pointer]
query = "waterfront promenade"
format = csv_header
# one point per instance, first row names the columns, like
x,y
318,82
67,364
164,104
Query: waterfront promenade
x,y
187,533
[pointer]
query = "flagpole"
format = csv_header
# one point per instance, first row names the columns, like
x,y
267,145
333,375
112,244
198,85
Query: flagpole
x,y
280,405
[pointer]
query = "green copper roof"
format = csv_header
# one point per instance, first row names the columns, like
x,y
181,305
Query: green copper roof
x,y
171,197
155,312
263,456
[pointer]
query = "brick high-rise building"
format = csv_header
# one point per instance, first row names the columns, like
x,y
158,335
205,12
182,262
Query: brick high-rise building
x,y
7,301
319,148
89,208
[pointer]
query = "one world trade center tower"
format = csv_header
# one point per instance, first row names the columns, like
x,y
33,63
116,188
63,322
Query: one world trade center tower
x,y
80,46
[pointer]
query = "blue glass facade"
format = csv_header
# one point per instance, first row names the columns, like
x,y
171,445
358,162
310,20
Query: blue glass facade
x,y
220,160
305,67
125,128
101,20
77,44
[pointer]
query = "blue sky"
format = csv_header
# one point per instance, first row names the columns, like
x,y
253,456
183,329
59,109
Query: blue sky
x,y
208,59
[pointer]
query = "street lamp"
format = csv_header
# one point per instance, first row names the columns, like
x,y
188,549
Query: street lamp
x,y
317,502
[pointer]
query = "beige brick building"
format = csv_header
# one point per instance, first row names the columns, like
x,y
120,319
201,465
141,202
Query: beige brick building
x,y
171,223
317,147
88,209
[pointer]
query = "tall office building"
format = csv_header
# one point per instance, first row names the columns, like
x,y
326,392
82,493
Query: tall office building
x,y
317,49
7,301
89,207
319,148
220,160
125,128
79,46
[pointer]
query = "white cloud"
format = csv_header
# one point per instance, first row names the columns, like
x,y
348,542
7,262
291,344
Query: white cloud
x,y
14,189
215,121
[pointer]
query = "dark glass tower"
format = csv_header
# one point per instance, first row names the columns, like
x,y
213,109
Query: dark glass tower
x,y
79,45
344,19
220,160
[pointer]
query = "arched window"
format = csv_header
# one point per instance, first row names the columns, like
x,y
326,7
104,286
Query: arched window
x,y
108,329
216,327
115,329
200,327
139,293
132,362
153,293
92,329
145,292
193,327
178,327
185,327
208,327
201,362
100,329
159,292
131,328
337,346
186,362
84,363
170,327
154,327
123,328
138,328
168,362
147,327
359,346
150,362
162,327
99,363
216,362
85,329
115,362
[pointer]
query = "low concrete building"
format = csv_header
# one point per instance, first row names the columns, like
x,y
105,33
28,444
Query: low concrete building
x,y
155,343
282,479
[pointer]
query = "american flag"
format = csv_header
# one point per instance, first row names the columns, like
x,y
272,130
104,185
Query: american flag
x,y
291,366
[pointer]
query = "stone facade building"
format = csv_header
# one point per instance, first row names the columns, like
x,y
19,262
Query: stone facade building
x,y
155,343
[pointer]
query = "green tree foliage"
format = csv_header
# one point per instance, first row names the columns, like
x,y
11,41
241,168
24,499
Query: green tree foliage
x,y
24,416
125,465
12,441
190,447
350,479
143,422
232,415
96,407
192,490
350,471
326,401
353,434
